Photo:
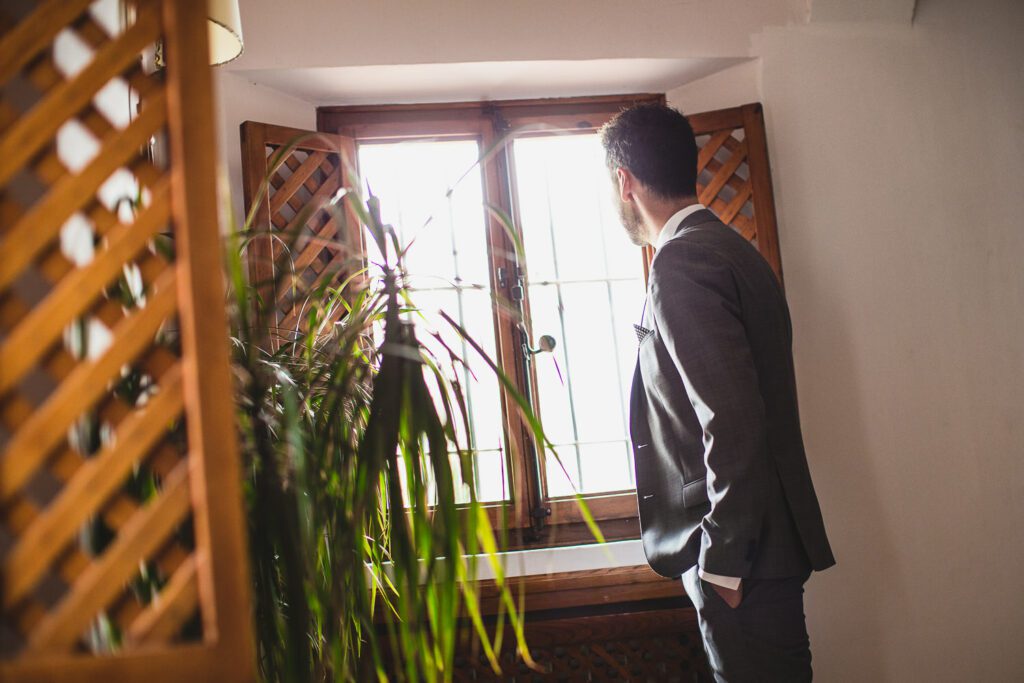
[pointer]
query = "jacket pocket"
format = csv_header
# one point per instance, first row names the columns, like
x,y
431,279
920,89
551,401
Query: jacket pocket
x,y
643,334
695,493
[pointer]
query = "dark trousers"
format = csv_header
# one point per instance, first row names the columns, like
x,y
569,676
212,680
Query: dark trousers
x,y
764,639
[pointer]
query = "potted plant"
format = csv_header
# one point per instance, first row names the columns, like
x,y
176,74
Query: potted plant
x,y
347,423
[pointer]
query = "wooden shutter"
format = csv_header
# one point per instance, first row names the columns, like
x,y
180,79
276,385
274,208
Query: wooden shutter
x,y
293,174
121,524
734,179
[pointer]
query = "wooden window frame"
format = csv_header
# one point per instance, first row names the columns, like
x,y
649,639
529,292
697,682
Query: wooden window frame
x,y
544,521
562,522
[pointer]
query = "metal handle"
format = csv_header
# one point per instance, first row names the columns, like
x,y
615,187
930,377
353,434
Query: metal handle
x,y
547,345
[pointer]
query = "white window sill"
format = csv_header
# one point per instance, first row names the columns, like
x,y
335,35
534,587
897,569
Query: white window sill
x,y
568,559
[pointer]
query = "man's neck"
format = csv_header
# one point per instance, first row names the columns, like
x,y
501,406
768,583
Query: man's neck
x,y
659,212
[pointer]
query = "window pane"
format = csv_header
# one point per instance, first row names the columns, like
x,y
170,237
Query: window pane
x,y
627,305
551,367
563,474
606,466
412,180
586,290
448,271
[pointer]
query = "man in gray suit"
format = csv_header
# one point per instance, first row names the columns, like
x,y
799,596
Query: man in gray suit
x,y
724,491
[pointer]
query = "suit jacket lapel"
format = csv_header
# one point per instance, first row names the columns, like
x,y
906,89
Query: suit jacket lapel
x,y
693,220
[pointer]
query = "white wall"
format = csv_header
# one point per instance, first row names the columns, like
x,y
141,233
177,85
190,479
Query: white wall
x,y
732,87
898,158
330,33
239,100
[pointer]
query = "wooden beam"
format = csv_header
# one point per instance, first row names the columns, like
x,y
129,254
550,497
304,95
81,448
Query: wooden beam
x,y
168,611
216,481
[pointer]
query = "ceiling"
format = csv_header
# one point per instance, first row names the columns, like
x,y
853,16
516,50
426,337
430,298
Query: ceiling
x,y
489,80
395,51
400,51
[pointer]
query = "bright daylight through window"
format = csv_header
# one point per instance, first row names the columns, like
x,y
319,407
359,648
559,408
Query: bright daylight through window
x,y
561,269
447,264
585,287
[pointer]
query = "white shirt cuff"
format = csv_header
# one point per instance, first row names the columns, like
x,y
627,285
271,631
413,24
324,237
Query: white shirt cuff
x,y
730,582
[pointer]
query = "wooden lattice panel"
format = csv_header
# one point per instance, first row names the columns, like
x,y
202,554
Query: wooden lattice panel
x,y
733,177
302,243
659,646
108,348
723,181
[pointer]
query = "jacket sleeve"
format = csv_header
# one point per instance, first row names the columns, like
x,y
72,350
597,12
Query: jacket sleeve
x,y
698,315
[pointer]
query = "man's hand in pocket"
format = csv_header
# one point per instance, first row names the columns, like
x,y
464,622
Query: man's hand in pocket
x,y
731,597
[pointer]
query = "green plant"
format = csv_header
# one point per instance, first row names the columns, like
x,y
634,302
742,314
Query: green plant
x,y
338,433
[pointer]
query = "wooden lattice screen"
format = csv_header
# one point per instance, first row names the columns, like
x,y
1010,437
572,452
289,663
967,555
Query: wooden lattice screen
x,y
300,244
121,527
627,646
734,179
624,624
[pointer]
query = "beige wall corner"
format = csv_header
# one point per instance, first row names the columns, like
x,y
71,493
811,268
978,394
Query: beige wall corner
x,y
239,100
739,84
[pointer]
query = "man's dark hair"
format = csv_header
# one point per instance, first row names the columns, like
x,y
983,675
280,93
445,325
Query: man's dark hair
x,y
655,143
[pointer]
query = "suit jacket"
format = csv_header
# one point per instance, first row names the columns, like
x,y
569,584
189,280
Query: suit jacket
x,y
722,478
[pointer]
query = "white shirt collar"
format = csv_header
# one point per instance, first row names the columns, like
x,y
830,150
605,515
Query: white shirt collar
x,y
677,218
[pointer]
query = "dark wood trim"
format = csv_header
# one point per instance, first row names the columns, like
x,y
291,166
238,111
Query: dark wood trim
x,y
254,171
549,632
563,534
571,114
617,505
541,105
763,194
652,640
501,251
585,588
390,121
711,121
301,138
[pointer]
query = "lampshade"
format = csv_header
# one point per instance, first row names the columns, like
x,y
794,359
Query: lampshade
x,y
225,31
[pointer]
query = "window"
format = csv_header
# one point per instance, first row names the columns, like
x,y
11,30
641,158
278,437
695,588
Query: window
x,y
447,266
577,280
584,287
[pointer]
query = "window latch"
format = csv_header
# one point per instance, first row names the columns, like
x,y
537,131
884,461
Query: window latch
x,y
518,293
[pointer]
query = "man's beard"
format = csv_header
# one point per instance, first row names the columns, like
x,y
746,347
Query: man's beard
x,y
633,222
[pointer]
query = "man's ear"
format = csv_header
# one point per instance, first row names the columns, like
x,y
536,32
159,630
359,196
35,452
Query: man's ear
x,y
626,181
